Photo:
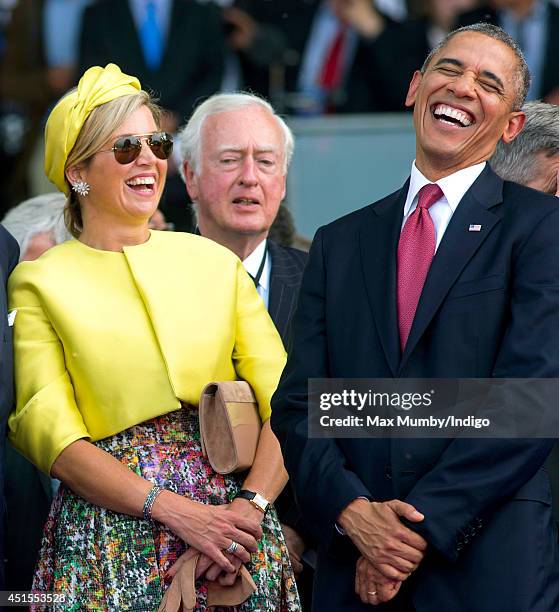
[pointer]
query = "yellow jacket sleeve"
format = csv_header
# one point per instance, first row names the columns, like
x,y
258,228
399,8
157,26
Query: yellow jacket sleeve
x,y
46,419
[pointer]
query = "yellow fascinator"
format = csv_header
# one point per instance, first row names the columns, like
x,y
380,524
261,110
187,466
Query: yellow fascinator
x,y
97,86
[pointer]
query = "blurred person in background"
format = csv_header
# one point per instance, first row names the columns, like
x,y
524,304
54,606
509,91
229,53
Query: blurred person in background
x,y
37,225
25,93
62,25
38,67
284,49
387,51
6,7
534,24
532,158
117,332
174,46
282,230
235,154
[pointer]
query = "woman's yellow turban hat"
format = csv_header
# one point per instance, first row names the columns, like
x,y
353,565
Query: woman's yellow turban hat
x,y
97,86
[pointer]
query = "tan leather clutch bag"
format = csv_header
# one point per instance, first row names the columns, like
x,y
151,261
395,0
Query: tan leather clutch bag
x,y
229,425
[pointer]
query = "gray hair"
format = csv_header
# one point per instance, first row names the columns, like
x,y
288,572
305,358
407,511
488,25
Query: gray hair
x,y
522,73
517,161
43,213
190,137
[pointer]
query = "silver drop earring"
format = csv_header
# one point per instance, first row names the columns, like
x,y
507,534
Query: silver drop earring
x,y
81,188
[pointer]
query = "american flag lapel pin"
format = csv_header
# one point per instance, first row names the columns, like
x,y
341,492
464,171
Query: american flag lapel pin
x,y
474,227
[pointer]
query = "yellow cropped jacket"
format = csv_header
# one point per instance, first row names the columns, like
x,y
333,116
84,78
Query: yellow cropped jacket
x,y
105,340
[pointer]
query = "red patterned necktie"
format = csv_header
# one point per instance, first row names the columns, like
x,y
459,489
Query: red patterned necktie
x,y
415,253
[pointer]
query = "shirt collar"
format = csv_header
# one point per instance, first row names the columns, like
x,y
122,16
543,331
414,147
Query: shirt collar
x,y
253,261
453,186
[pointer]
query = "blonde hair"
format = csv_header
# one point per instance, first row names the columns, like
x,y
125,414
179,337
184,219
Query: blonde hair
x,y
102,122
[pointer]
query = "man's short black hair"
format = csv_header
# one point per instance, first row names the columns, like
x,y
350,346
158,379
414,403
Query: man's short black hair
x,y
522,75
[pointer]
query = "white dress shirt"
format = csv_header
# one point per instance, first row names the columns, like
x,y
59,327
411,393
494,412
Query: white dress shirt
x,y
252,265
453,186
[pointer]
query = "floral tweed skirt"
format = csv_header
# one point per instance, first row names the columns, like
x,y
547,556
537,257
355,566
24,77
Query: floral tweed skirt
x,y
103,560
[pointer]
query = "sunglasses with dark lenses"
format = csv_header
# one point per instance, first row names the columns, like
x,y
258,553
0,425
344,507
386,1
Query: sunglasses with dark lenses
x,y
127,148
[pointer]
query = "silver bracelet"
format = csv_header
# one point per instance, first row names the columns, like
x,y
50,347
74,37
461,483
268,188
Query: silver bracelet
x,y
150,500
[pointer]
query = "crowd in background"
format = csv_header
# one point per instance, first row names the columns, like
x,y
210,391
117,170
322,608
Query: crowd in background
x,y
308,57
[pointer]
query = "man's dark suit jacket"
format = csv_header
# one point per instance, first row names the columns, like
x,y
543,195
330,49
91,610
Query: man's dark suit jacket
x,y
192,64
285,279
9,255
489,308
550,64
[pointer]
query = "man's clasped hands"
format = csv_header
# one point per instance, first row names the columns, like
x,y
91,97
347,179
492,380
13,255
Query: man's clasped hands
x,y
390,551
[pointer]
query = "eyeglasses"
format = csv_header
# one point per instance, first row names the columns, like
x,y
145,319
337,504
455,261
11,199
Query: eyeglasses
x,y
127,148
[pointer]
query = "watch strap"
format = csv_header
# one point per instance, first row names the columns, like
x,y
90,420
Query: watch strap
x,y
257,500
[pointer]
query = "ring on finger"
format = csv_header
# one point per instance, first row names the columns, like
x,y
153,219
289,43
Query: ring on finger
x,y
371,592
232,547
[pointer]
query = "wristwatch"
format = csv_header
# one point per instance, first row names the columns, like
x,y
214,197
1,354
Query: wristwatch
x,y
259,502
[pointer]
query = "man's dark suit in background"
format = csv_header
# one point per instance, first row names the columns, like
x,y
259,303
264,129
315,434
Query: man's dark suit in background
x,y
489,308
285,278
9,255
192,64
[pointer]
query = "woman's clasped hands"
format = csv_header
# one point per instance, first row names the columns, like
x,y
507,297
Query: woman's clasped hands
x,y
211,530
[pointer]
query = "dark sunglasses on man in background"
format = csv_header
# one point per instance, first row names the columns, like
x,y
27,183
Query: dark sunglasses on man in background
x,y
127,148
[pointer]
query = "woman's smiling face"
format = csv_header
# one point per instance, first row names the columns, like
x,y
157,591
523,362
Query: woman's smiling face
x,y
126,192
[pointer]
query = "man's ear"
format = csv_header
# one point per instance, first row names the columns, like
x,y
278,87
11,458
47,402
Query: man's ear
x,y
414,86
514,126
191,181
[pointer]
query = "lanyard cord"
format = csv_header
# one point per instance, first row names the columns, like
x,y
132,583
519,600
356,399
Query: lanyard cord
x,y
256,279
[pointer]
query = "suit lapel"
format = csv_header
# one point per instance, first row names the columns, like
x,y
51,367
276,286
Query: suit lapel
x,y
456,249
377,241
284,280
